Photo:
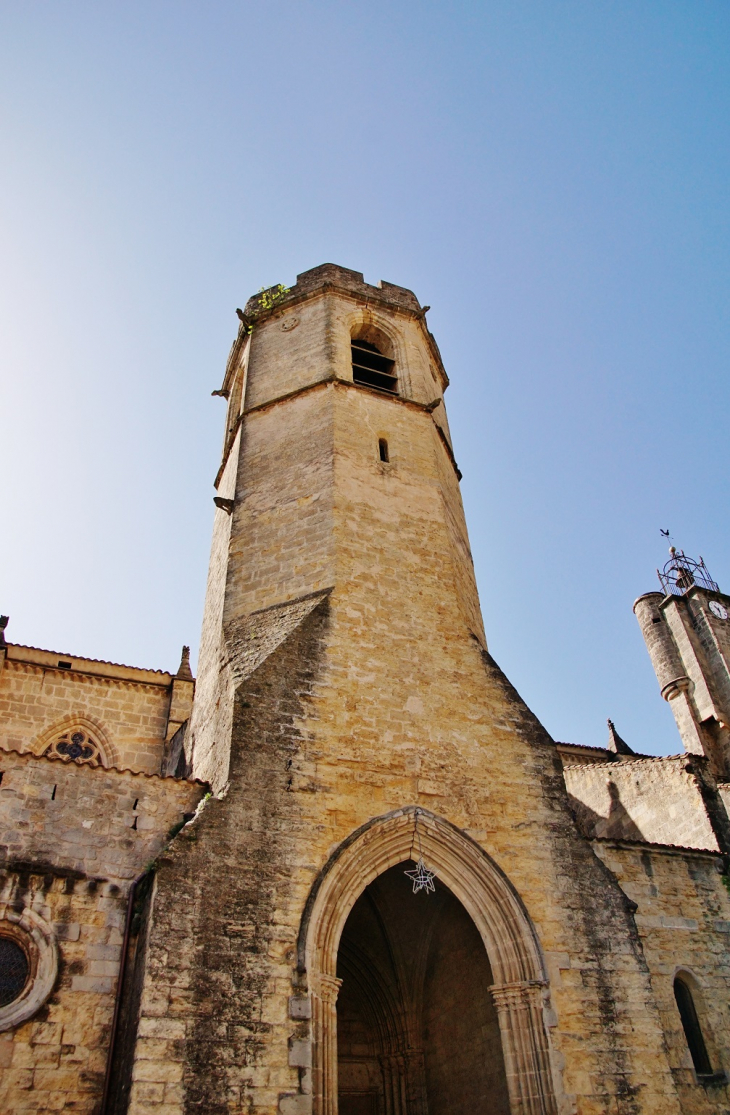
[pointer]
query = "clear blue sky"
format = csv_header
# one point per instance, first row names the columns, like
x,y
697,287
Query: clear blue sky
x,y
550,175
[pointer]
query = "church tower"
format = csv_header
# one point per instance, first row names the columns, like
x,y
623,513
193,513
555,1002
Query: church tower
x,y
337,475
352,727
686,629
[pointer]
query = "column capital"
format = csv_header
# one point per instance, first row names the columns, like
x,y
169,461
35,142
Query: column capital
x,y
519,993
325,987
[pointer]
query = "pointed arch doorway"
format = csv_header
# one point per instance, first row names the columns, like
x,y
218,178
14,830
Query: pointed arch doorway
x,y
476,897
417,1030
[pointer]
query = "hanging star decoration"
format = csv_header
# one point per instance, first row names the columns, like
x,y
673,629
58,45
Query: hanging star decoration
x,y
421,877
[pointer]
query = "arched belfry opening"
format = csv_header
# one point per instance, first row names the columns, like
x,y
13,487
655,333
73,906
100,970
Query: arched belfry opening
x,y
417,1028
373,359
409,1043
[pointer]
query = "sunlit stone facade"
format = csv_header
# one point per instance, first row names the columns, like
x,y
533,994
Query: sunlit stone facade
x,y
214,871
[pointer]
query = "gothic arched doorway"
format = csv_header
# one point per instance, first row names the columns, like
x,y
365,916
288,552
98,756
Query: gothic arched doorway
x,y
482,891
417,1030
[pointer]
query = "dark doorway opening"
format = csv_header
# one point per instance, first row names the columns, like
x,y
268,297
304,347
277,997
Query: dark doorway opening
x,y
417,1030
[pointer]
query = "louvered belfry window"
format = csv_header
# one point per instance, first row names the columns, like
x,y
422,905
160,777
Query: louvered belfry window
x,y
371,368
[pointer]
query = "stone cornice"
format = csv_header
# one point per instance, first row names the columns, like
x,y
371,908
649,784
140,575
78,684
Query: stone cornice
x,y
665,849
95,667
338,382
97,771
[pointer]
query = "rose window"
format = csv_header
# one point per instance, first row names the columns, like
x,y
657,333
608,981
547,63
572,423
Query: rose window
x,y
14,970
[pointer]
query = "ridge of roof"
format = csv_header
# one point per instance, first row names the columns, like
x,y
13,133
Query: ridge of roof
x,y
84,658
638,755
615,763
587,746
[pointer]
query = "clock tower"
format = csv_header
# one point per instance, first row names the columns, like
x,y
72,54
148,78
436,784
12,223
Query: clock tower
x,y
686,628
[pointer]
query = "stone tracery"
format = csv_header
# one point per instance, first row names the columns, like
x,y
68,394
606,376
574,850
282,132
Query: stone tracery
x,y
75,745
79,739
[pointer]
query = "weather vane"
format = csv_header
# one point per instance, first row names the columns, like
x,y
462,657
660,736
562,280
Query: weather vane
x,y
420,875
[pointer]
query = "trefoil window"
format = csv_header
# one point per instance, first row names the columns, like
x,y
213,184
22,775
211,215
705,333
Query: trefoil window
x,y
75,746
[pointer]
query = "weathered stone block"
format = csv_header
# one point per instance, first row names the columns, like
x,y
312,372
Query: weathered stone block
x,y
300,1007
295,1105
300,1053
163,1072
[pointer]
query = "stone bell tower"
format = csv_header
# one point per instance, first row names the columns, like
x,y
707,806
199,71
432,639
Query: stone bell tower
x,y
337,470
350,721
687,633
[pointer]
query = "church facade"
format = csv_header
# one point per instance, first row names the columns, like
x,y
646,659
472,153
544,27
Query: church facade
x,y
346,870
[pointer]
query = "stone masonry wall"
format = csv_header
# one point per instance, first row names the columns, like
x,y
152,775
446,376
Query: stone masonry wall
x,y
307,354
683,918
714,637
56,1060
213,693
215,1033
657,800
105,823
72,839
282,532
222,935
37,698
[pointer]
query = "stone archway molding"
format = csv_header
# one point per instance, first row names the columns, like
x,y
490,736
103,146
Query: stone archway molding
x,y
89,724
520,986
37,939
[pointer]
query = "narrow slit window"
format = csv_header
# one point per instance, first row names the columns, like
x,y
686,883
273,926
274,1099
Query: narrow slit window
x,y
383,450
371,368
692,1030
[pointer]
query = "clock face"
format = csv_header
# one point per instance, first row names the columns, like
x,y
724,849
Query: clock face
x,y
718,609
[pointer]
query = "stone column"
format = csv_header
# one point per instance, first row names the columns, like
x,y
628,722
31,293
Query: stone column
x,y
391,1065
404,1083
415,1074
324,991
524,1046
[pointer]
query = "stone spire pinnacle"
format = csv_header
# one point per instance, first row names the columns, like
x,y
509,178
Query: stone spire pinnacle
x,y
615,743
183,671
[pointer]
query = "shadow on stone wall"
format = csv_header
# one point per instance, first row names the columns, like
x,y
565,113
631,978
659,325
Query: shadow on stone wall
x,y
618,825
